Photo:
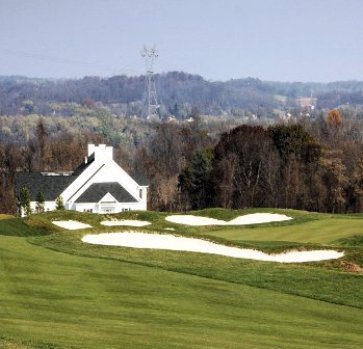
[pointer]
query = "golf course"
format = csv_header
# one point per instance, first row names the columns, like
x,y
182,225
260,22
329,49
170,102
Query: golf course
x,y
60,292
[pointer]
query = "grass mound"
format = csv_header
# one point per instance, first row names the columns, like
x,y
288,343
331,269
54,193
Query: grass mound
x,y
14,226
355,240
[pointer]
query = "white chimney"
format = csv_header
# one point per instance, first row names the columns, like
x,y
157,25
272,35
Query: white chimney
x,y
91,149
101,151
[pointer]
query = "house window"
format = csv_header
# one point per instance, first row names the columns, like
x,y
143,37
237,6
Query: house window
x,y
88,210
140,193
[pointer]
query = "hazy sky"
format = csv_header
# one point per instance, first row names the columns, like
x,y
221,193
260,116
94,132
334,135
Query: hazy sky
x,y
288,40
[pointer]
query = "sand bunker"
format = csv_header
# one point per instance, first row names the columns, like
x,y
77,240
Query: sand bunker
x,y
254,218
178,243
71,225
125,222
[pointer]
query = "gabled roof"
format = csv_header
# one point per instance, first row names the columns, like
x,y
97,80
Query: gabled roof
x,y
84,165
139,178
98,190
53,184
50,185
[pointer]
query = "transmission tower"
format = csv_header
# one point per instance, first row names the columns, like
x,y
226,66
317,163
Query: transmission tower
x,y
149,55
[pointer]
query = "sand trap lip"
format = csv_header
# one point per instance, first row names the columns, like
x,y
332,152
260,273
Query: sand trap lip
x,y
71,225
178,243
253,218
125,222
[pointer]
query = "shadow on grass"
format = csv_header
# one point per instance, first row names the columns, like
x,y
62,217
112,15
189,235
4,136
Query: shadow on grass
x,y
18,227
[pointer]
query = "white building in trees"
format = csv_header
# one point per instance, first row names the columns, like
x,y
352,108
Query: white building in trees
x,y
98,185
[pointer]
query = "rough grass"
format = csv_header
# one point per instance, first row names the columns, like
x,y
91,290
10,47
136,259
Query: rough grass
x,y
13,226
5,216
57,292
355,240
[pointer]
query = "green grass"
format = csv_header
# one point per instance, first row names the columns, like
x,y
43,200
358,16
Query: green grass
x,y
5,216
310,228
13,226
313,280
355,240
57,292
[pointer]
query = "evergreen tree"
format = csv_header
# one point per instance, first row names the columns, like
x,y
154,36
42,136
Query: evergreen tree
x,y
25,201
40,203
194,180
59,204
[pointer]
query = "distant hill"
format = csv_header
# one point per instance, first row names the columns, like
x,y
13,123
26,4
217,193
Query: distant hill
x,y
178,93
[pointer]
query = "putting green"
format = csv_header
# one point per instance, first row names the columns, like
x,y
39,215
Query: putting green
x,y
325,230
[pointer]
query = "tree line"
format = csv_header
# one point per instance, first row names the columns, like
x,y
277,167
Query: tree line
x,y
314,165
280,166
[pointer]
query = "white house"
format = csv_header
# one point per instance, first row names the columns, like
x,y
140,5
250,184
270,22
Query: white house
x,y
99,185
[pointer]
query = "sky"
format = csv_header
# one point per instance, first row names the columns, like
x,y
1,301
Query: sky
x,y
278,40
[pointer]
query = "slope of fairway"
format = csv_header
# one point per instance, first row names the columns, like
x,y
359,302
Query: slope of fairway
x,y
79,302
324,230
14,226
59,293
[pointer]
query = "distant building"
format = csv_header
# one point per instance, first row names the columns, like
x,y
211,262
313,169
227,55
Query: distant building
x,y
98,185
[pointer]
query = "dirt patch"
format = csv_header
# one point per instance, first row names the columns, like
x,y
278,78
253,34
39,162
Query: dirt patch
x,y
351,267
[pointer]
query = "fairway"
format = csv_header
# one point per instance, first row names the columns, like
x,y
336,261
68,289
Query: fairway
x,y
57,292
325,230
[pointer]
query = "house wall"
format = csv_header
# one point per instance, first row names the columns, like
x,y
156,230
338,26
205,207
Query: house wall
x,y
48,206
100,172
106,208
143,199
79,181
92,207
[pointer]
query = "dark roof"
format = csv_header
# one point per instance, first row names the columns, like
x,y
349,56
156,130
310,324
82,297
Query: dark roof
x,y
84,165
50,186
139,178
98,190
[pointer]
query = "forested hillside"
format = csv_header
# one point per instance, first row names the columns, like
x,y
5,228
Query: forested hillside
x,y
178,93
312,164
235,144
